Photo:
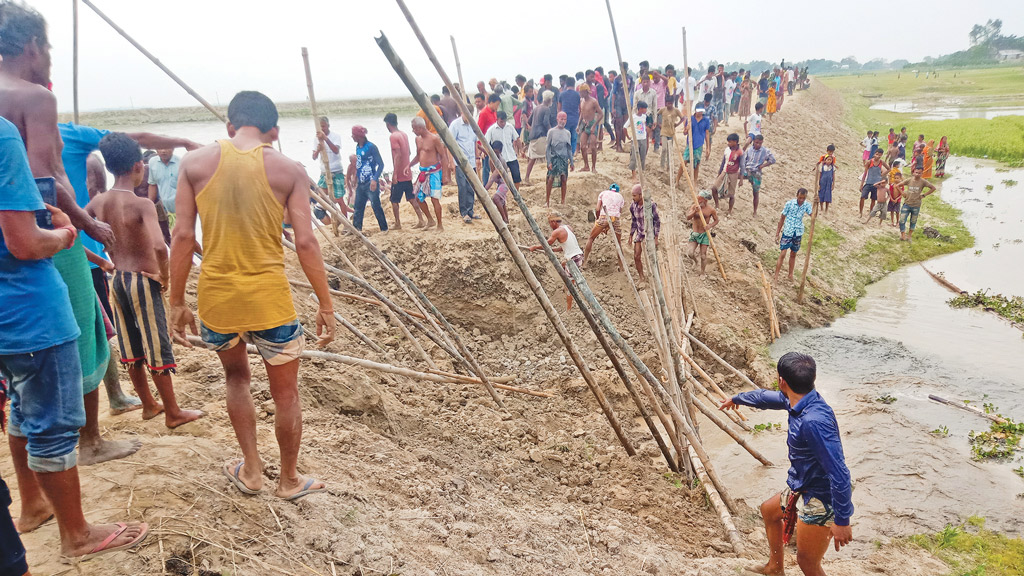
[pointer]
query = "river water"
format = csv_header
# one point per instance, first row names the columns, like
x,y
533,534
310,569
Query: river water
x,y
928,111
904,341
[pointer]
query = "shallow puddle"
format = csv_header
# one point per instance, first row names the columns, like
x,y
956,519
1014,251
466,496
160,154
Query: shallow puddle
x,y
924,111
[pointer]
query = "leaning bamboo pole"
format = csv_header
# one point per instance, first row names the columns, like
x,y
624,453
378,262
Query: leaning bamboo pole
x,y
74,56
492,212
810,237
352,328
716,501
156,61
355,298
712,414
722,361
715,401
321,147
773,313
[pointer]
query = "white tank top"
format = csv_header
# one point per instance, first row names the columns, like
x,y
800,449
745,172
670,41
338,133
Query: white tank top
x,y
571,246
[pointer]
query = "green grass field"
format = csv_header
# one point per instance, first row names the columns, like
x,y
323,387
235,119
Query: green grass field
x,y
971,550
1001,138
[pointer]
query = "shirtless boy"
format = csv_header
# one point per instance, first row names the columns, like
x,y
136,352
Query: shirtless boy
x,y
699,238
609,211
429,155
139,281
563,240
591,116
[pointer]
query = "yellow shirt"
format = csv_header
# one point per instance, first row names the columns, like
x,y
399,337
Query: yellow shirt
x,y
242,284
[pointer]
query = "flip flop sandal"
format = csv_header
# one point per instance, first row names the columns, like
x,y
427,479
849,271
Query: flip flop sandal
x,y
102,548
233,476
306,491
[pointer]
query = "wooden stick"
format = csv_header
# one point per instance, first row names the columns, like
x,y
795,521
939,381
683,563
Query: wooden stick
x,y
810,238
321,147
711,382
775,311
470,379
722,361
351,328
712,414
715,401
942,281
356,298
378,367
458,69
716,500
156,61
967,408
74,55
773,314
688,114
492,212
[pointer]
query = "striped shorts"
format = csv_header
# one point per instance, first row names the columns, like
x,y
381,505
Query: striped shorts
x,y
141,321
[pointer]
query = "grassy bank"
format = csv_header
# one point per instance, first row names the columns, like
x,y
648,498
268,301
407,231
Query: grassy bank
x,y
971,550
1000,138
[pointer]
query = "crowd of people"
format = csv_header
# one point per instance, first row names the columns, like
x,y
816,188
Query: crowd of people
x,y
85,265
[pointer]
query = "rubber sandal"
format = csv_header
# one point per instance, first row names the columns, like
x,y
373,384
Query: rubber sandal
x,y
233,476
306,491
102,548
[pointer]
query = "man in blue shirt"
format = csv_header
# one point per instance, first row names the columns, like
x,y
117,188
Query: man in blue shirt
x,y
791,230
369,167
699,126
817,499
569,102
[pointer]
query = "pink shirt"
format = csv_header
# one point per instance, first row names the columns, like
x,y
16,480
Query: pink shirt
x,y
612,203
660,88
400,156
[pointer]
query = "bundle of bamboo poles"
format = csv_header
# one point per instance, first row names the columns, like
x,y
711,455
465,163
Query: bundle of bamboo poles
x,y
670,396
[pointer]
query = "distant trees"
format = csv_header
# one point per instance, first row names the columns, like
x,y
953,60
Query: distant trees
x,y
983,34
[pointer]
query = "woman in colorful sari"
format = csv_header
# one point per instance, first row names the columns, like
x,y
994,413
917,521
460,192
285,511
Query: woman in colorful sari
x,y
929,158
780,91
770,106
746,89
941,154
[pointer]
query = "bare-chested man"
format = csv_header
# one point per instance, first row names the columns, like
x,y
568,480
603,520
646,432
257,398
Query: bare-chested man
x,y
429,155
48,483
700,236
239,189
141,277
591,117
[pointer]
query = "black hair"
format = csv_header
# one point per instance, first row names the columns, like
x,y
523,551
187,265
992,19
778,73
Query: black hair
x,y
445,91
497,145
641,104
920,135
759,137
493,98
579,76
734,137
669,67
599,69
547,77
120,153
501,115
711,69
800,191
707,97
481,96
588,72
830,148
758,106
570,81
515,90
520,78
645,64
251,108
798,370
625,65
391,119
435,98
19,25
147,155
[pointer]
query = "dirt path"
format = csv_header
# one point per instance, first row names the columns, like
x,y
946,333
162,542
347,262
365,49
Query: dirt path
x,y
431,479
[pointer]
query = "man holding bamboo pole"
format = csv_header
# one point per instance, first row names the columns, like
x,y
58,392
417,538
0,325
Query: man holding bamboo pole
x,y
240,188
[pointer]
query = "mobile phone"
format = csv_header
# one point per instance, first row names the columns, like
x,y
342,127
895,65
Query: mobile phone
x,y
48,190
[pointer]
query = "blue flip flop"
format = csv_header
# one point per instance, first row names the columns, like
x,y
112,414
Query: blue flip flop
x,y
306,491
233,476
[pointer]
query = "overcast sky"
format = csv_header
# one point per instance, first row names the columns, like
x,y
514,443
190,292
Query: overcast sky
x,y
222,46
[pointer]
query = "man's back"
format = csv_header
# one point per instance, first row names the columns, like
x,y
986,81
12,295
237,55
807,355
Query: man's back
x,y
127,214
240,198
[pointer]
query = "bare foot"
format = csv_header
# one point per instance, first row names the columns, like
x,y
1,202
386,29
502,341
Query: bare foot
x,y
124,405
130,535
107,450
30,520
766,570
183,417
440,228
429,225
150,413
303,486
585,169
396,227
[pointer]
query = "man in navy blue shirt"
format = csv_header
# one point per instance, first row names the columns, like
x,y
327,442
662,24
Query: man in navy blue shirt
x,y
569,102
817,498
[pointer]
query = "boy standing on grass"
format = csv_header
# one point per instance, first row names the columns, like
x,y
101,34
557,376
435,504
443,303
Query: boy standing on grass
x,y
895,192
871,180
912,204
140,280
791,230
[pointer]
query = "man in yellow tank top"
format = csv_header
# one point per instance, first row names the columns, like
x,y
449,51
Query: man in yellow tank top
x,y
240,188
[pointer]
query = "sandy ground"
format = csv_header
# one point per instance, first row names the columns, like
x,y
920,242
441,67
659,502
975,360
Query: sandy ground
x,y
432,479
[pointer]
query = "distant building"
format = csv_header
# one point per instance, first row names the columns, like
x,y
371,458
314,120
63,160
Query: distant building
x,y
1005,55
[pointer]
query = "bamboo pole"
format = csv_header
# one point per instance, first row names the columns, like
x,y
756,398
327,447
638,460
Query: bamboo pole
x,y
470,379
321,147
967,408
156,61
433,315
689,146
375,366
492,212
773,313
716,501
712,414
942,281
715,401
355,298
679,417
351,328
722,361
768,309
74,55
650,247
810,238
458,69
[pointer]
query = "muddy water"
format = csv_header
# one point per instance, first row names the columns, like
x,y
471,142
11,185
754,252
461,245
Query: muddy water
x,y
904,341
929,112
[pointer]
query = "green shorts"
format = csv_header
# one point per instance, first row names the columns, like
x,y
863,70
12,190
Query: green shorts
x,y
697,154
701,238
338,179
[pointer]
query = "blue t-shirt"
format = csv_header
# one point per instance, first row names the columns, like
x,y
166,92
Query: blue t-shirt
x,y
369,164
79,142
700,130
570,101
794,213
36,313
